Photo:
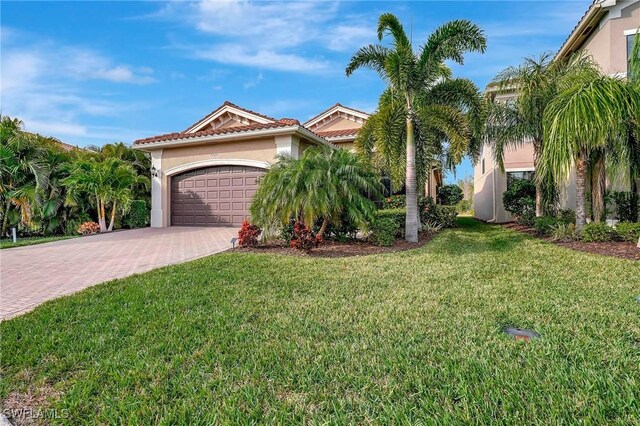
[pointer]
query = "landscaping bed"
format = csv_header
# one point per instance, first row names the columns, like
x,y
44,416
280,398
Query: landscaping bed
x,y
622,249
330,248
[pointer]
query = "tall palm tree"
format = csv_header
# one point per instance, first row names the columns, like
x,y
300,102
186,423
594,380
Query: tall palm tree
x,y
322,184
589,115
423,104
518,121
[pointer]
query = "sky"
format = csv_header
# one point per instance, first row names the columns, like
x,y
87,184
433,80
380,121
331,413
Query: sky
x,y
91,73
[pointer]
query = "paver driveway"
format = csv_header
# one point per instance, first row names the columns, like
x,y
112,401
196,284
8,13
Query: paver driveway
x,y
34,274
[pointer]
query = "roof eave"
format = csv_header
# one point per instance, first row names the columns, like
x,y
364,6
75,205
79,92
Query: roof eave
x,y
575,39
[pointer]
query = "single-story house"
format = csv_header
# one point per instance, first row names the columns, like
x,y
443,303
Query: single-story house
x,y
207,174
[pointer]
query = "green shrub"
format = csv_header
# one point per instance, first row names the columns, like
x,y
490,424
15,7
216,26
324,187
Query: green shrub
x,y
395,202
628,231
384,230
627,206
562,231
597,232
464,206
432,213
520,201
397,215
450,195
567,216
286,232
137,216
544,224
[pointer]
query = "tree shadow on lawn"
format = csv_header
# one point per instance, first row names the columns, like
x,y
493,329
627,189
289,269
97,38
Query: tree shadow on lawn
x,y
473,236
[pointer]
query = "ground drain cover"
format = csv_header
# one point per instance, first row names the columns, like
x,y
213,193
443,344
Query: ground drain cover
x,y
521,334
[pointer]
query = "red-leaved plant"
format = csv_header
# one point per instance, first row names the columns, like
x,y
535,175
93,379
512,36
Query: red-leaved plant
x,y
248,234
88,228
304,238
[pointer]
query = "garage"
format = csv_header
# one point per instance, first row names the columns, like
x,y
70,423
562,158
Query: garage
x,y
213,196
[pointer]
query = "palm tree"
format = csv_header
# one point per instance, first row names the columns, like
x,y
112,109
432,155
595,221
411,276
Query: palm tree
x,y
589,116
23,171
423,104
108,182
322,184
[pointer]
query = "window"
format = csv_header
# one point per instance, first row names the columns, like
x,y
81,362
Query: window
x,y
513,176
630,40
483,166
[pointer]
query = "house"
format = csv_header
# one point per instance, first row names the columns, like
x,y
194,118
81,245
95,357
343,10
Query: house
x,y
605,32
207,174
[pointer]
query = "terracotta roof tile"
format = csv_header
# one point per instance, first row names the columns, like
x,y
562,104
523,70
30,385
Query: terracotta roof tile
x,y
231,104
337,133
212,132
289,121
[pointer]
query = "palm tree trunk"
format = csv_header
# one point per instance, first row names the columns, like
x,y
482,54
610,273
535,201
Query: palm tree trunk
x,y
5,218
323,228
113,217
411,222
536,156
598,183
101,216
581,181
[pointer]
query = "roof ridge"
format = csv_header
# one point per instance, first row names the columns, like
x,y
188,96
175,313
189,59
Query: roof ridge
x,y
229,104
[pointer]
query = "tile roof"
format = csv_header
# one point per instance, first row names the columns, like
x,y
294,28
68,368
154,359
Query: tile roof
x,y
212,132
336,133
230,104
337,104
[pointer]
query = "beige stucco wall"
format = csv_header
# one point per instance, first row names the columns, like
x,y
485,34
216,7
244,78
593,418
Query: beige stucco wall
x,y
339,123
257,150
608,44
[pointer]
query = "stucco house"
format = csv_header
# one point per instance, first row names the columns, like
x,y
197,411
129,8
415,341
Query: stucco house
x,y
606,32
207,174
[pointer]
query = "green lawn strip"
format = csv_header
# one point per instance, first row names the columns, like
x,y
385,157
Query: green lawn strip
x,y
6,243
401,337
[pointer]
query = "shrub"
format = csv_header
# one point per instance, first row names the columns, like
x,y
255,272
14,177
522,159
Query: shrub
x,y
627,206
520,201
286,232
444,216
395,202
248,234
397,215
567,216
544,224
562,231
628,231
137,216
597,232
343,229
88,228
383,231
304,238
450,195
464,206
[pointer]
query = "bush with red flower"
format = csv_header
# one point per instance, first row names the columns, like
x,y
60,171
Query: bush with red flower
x,y
304,238
248,234
88,228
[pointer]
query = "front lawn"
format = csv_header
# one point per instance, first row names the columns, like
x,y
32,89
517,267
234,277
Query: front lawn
x,y
6,243
405,337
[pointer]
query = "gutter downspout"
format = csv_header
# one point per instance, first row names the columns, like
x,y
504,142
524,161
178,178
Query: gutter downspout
x,y
493,187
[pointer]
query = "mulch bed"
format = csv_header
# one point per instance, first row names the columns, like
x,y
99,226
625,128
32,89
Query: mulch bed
x,y
622,249
338,249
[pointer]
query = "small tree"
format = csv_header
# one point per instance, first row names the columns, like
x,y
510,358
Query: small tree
x,y
323,184
520,201
450,195
109,183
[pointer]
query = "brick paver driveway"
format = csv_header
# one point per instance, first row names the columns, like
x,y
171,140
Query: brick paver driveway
x,y
34,274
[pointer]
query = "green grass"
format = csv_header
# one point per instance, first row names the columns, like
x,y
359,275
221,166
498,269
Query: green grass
x,y
6,243
410,337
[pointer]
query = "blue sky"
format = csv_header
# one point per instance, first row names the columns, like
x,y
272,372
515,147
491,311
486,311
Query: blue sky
x,y
98,72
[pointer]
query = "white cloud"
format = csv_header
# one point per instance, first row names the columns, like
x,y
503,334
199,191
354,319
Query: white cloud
x,y
42,84
270,35
253,83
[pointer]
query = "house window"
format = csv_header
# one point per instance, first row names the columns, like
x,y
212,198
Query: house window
x,y
630,40
513,176
483,166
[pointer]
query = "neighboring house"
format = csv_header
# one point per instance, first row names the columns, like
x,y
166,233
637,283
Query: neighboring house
x,y
207,174
605,32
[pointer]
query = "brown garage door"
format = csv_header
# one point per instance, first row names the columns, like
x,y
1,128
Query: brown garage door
x,y
214,196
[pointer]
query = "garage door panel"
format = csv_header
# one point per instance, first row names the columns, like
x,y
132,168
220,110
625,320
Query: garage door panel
x,y
213,196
